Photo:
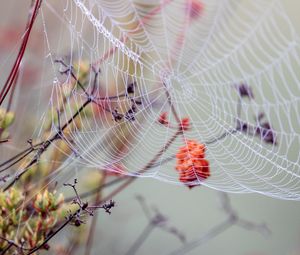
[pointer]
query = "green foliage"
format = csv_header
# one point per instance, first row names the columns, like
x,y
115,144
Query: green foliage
x,y
27,222
6,120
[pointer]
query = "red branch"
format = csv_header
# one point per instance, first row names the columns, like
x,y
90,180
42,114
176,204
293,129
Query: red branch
x,y
15,69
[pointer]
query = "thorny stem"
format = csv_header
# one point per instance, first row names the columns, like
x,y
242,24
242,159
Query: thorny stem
x,y
15,69
141,239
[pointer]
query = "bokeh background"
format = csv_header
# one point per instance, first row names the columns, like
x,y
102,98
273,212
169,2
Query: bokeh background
x,y
193,211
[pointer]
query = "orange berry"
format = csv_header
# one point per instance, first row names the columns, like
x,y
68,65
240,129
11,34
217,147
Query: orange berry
x,y
191,163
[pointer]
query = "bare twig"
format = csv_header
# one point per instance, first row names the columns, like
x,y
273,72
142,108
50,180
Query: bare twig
x,y
158,220
233,219
141,239
18,157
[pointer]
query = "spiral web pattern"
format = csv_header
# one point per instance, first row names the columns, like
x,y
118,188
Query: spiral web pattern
x,y
200,56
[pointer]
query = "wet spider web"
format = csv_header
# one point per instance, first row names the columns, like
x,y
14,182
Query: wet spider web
x,y
200,51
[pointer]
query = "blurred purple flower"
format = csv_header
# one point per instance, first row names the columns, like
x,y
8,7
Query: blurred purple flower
x,y
242,126
265,130
245,90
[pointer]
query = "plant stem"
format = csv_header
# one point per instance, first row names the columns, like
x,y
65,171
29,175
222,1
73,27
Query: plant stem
x,y
141,239
54,233
212,233
225,134
145,168
7,248
92,192
171,104
123,178
11,96
17,160
46,144
15,69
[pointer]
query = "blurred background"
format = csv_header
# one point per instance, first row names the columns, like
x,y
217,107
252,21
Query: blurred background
x,y
195,211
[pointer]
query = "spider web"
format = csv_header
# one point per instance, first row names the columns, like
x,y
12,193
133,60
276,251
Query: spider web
x,y
200,56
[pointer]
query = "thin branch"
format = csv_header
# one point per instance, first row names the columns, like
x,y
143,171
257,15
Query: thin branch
x,y
233,219
69,71
4,141
43,146
11,244
94,191
171,104
212,233
54,233
145,168
141,239
162,162
156,221
46,144
11,96
93,224
222,136
83,207
4,178
15,69
16,159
